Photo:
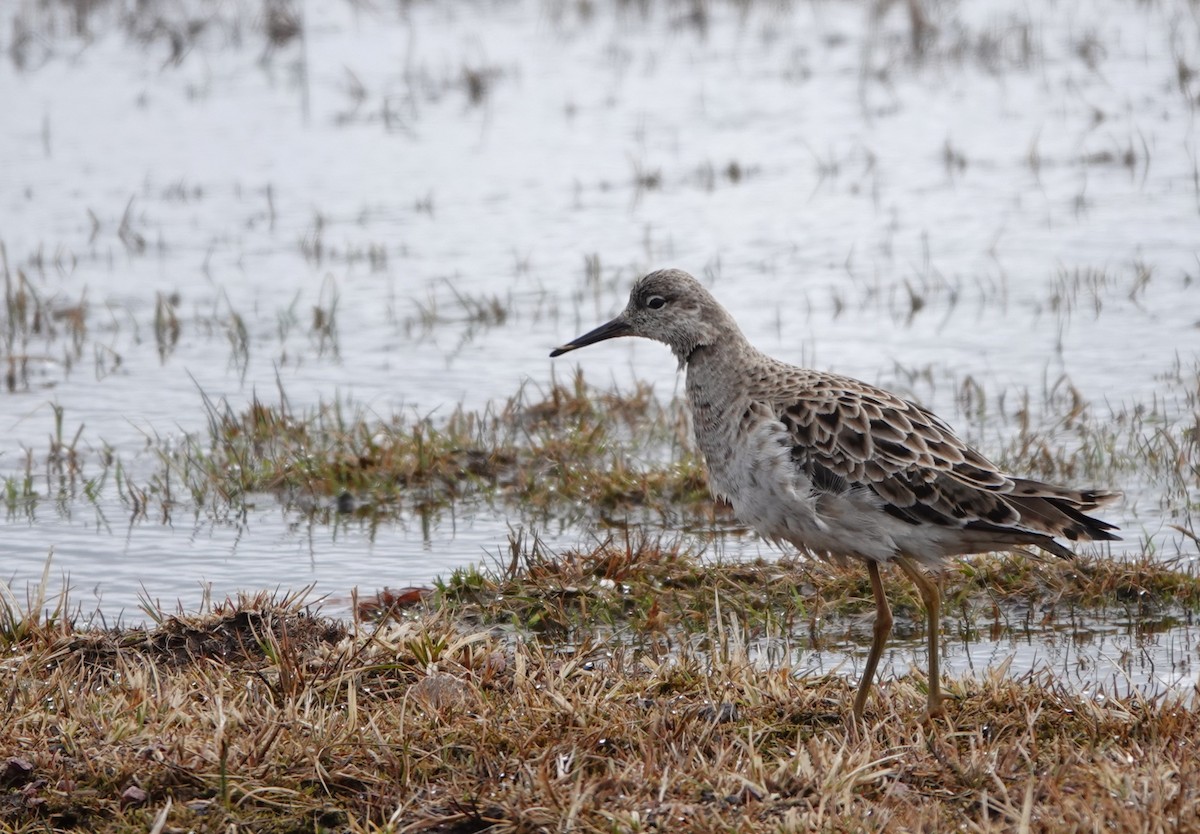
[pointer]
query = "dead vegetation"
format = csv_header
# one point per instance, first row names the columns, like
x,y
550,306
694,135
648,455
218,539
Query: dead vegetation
x,y
465,713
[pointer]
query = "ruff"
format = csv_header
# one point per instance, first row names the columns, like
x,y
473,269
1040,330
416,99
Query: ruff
x,y
839,468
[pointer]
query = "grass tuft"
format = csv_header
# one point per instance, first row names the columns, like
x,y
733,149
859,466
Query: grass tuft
x,y
259,714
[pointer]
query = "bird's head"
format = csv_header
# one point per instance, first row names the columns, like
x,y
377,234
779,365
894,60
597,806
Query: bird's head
x,y
668,306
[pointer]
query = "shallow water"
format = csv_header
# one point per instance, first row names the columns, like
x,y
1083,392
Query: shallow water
x,y
1014,204
1101,656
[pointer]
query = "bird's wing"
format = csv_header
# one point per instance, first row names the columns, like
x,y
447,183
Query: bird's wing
x,y
847,434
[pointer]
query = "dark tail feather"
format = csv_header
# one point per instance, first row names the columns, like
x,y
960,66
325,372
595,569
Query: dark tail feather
x,y
1058,511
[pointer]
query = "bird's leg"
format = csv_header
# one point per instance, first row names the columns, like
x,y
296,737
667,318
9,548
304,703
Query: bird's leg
x,y
932,598
883,628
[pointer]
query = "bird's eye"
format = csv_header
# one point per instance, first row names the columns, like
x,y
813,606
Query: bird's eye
x,y
656,302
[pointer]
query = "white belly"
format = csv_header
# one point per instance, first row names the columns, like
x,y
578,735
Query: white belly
x,y
752,468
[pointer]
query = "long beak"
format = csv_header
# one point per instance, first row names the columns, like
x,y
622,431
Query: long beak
x,y
614,328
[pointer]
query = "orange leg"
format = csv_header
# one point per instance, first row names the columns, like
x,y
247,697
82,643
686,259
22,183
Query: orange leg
x,y
883,628
932,598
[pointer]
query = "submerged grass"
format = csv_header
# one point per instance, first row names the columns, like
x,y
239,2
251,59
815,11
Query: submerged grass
x,y
573,452
568,449
259,714
628,589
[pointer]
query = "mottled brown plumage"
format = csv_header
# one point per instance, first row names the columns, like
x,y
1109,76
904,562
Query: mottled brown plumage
x,y
840,468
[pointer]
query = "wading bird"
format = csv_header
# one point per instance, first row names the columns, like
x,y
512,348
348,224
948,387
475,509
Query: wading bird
x,y
839,468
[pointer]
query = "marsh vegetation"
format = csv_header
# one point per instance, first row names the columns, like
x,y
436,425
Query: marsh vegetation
x,y
279,284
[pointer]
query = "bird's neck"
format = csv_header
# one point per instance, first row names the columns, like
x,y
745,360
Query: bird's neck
x,y
686,359
718,358
710,343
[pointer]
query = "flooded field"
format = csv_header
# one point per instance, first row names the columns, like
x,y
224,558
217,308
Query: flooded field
x,y
371,222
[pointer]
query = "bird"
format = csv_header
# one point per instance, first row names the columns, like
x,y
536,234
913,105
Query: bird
x,y
841,469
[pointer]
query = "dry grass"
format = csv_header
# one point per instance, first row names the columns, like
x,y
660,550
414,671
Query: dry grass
x,y
261,715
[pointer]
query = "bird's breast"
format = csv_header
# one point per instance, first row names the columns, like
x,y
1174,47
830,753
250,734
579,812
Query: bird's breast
x,y
748,451
748,454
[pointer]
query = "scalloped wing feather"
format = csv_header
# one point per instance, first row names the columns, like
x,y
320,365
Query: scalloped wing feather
x,y
848,434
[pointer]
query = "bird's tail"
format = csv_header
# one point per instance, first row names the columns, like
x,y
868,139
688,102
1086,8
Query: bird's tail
x,y
1059,511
